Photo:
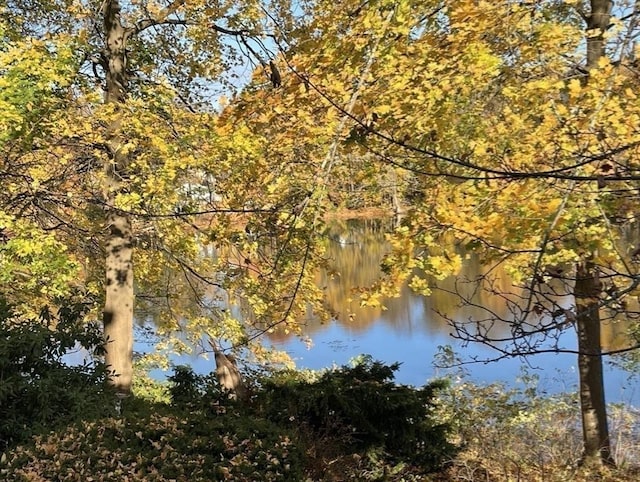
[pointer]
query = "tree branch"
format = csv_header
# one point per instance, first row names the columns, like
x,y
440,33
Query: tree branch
x,y
237,33
161,19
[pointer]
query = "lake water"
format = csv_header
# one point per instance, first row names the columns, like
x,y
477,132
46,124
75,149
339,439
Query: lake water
x,y
410,330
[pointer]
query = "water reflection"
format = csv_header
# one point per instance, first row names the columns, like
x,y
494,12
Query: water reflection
x,y
412,326
356,248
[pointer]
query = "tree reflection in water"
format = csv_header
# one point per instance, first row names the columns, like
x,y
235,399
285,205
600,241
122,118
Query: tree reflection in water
x,y
411,327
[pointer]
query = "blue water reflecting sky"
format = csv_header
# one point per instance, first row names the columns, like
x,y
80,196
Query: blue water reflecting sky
x,y
416,349
410,329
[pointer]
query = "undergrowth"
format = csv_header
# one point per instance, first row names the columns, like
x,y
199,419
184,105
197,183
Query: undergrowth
x,y
521,434
351,423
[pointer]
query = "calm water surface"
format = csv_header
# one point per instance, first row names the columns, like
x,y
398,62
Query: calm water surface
x,y
410,330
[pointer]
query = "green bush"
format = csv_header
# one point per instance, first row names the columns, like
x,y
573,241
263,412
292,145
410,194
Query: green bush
x,y
185,385
359,408
39,390
191,390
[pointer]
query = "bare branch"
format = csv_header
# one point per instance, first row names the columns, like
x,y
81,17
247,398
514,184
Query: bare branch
x,y
236,33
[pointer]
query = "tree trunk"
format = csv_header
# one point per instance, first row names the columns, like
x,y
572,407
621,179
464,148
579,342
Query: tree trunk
x,y
595,431
597,24
597,448
119,296
228,374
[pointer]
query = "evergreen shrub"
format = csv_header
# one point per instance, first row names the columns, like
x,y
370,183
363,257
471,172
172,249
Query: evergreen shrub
x,y
360,408
39,389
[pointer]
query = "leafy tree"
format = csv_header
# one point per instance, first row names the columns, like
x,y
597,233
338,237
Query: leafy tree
x,y
35,266
518,122
114,156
